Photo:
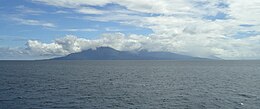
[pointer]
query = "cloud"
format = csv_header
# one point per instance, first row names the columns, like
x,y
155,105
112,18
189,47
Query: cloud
x,y
80,30
71,44
7,53
87,10
245,11
111,29
61,12
73,3
38,48
146,6
26,10
13,38
34,22
19,53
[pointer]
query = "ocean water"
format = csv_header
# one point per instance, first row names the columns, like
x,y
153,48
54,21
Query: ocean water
x,y
130,84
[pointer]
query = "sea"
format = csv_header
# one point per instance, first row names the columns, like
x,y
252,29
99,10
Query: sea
x,y
130,84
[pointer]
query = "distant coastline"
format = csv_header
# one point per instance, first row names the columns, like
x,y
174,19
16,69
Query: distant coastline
x,y
107,53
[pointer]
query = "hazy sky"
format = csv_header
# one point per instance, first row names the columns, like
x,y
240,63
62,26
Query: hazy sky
x,y
34,29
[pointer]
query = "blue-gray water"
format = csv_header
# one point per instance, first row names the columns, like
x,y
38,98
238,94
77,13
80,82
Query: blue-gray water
x,y
130,84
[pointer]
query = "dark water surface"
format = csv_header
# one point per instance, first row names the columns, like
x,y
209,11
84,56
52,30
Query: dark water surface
x,y
130,84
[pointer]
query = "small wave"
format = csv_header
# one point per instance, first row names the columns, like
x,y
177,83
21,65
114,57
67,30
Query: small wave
x,y
5,100
246,95
6,89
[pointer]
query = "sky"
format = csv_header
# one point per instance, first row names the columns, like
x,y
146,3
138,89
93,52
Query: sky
x,y
40,29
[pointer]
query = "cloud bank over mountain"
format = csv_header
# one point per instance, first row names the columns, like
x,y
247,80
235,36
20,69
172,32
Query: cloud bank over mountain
x,y
224,47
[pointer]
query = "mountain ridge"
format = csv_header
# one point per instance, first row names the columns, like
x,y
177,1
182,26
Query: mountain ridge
x,y
108,53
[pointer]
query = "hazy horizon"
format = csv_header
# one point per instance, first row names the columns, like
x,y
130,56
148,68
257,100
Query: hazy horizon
x,y
42,58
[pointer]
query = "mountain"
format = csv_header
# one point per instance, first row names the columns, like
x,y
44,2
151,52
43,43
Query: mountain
x,y
107,53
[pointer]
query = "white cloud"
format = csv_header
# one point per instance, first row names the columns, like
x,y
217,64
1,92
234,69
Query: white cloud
x,y
19,53
146,6
73,3
111,29
61,12
71,44
39,48
120,18
87,10
26,10
246,12
80,30
34,22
